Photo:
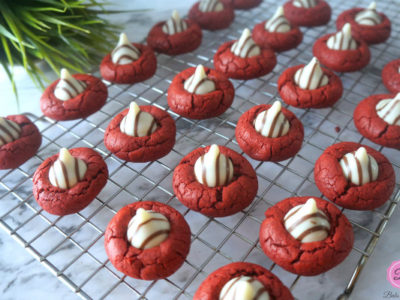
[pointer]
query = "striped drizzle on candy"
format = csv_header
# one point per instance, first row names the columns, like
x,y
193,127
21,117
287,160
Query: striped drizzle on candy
x,y
389,110
9,131
245,46
137,123
199,83
311,76
306,223
368,16
243,288
174,25
359,167
342,40
213,168
147,229
278,23
210,5
68,87
272,122
67,170
305,3
125,52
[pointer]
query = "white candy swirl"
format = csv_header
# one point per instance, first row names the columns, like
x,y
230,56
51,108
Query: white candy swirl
x,y
199,83
68,87
272,122
67,170
137,123
210,5
342,40
245,46
243,288
147,229
174,25
9,131
306,223
213,168
311,76
368,16
278,23
359,167
389,110
125,52
305,3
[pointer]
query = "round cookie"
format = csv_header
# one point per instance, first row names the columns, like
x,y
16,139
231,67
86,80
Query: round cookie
x,y
374,34
212,20
265,148
219,201
310,258
314,16
330,179
321,97
342,60
211,287
61,202
177,43
15,153
144,148
137,71
81,106
391,76
243,4
200,106
372,126
148,264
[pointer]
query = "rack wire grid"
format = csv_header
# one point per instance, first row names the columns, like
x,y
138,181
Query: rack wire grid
x,y
71,247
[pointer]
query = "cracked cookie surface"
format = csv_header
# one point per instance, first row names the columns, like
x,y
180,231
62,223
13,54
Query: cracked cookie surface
x,y
391,76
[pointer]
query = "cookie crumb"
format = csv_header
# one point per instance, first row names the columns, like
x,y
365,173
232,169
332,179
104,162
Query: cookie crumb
x,y
337,128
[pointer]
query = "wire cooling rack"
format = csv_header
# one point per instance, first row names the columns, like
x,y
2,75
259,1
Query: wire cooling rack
x,y
71,247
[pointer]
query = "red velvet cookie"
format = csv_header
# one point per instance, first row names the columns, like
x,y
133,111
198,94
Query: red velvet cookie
x,y
330,179
149,264
211,287
310,258
15,153
278,41
139,70
264,148
145,148
219,201
58,201
212,20
373,127
321,97
196,106
243,4
243,68
342,60
178,43
309,17
373,34
391,76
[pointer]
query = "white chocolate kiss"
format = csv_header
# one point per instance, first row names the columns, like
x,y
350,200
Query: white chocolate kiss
x,y
342,40
67,170
389,110
359,167
147,229
243,288
368,16
278,23
9,131
137,123
245,46
174,24
306,223
305,3
68,87
125,52
213,168
199,83
272,122
210,5
311,76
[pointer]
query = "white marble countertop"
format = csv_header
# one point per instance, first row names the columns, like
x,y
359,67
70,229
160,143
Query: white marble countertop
x,y
23,277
